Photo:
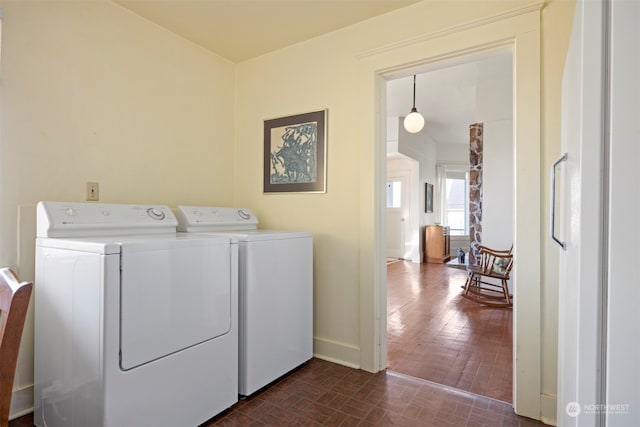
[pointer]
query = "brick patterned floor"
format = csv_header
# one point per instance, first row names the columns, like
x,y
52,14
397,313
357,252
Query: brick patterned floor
x,y
435,334
321,393
325,394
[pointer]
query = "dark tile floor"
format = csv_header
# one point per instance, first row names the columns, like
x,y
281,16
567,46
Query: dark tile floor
x,y
435,334
325,394
322,393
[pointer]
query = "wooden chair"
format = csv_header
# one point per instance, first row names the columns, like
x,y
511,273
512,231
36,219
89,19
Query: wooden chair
x,y
487,282
14,301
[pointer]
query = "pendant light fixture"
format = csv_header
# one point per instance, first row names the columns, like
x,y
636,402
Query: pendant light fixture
x,y
414,122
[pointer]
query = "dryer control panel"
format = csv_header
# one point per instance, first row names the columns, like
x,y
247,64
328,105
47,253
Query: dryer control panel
x,y
69,219
210,218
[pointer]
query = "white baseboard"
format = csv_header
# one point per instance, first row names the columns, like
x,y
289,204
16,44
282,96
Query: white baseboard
x,y
337,352
548,405
21,402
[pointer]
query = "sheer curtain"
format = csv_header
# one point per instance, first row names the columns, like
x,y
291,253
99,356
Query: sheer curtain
x,y
440,199
444,171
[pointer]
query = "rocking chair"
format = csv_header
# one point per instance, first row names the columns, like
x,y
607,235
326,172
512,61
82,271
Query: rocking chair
x,y
487,283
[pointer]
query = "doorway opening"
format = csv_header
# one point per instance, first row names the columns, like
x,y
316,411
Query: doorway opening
x,y
402,197
432,332
518,31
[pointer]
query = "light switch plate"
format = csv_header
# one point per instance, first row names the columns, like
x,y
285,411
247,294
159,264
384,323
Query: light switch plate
x,y
93,192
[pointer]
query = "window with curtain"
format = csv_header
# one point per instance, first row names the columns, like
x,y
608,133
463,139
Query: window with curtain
x,y
457,206
453,183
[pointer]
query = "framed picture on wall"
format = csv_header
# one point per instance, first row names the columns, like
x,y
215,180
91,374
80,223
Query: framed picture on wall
x,y
295,153
428,197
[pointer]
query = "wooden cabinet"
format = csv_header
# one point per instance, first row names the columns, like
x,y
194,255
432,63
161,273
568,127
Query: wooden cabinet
x,y
437,244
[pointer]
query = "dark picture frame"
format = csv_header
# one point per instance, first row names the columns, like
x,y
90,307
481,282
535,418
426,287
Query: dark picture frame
x,y
428,197
295,152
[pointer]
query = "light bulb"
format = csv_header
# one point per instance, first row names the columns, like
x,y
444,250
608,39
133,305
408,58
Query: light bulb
x,y
414,122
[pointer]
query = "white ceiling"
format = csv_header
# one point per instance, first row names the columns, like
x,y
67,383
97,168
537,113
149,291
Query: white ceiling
x,y
242,29
446,96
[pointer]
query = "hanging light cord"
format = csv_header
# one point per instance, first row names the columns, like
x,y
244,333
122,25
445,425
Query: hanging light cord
x,y
413,110
414,122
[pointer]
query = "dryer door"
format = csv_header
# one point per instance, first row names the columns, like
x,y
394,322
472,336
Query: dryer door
x,y
174,294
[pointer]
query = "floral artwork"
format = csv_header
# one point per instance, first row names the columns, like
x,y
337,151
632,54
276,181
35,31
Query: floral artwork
x,y
295,149
293,153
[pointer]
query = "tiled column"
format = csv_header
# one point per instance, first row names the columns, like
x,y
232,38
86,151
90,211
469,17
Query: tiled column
x,y
475,191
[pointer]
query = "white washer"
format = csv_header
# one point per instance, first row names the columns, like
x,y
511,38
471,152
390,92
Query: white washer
x,y
275,288
134,325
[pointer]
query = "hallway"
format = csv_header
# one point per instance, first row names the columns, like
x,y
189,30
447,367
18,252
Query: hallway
x,y
435,334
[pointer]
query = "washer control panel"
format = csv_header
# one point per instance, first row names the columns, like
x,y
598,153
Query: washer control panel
x,y
210,218
68,219
156,213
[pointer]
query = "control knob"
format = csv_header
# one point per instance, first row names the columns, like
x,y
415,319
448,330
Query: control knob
x,y
155,213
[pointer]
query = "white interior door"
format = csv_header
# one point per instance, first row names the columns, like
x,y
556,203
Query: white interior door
x,y
598,339
623,287
396,215
580,221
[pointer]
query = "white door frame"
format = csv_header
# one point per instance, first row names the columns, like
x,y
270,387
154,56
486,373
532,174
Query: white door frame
x,y
519,31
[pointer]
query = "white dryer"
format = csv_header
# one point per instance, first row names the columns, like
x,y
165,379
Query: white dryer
x,y
134,325
275,291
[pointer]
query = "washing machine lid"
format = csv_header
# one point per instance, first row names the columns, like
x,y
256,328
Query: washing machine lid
x,y
72,219
174,295
211,218
96,246
107,245
262,235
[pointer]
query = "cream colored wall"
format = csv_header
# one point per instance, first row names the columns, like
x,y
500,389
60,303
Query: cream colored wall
x,y
92,92
324,73
311,76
